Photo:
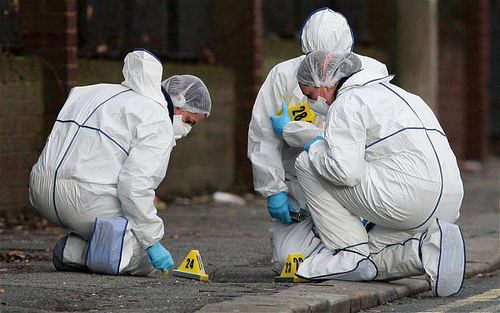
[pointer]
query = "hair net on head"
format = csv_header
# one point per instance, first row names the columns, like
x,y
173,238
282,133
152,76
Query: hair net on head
x,y
325,68
189,93
326,29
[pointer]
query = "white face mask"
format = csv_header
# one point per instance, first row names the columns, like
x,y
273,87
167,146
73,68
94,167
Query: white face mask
x,y
181,129
319,105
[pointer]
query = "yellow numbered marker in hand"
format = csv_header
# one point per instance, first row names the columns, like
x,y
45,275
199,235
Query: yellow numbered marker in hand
x,y
300,112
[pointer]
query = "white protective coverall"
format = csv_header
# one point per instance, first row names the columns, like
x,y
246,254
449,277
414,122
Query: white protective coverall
x,y
385,158
106,154
272,158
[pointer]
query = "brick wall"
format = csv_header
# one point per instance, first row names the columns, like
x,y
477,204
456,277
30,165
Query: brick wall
x,y
463,74
32,91
203,162
452,88
242,52
21,124
48,30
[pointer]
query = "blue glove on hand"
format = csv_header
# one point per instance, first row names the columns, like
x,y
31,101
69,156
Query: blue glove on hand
x,y
308,145
279,121
159,257
279,207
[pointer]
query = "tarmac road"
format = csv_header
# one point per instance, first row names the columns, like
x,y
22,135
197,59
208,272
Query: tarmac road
x,y
235,248
233,242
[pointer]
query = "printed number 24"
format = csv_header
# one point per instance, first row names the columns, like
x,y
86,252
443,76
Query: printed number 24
x,y
189,263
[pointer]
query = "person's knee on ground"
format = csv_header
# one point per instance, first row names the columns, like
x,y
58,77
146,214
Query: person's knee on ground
x,y
114,250
293,238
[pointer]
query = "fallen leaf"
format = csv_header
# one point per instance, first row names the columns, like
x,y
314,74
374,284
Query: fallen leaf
x,y
16,253
2,290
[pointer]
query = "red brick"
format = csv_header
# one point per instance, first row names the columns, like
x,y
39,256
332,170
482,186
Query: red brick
x,y
14,196
17,144
71,39
7,126
30,6
50,40
71,5
28,159
27,125
71,21
10,162
53,6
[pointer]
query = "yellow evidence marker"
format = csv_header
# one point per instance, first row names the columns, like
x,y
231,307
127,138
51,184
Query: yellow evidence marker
x,y
191,267
291,266
300,112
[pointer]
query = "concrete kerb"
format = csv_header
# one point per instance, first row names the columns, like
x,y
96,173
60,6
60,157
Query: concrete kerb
x,y
343,296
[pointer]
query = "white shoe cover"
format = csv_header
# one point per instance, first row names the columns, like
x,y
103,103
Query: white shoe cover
x,y
69,253
344,265
443,258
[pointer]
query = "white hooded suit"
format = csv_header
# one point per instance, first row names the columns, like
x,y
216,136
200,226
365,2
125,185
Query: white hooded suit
x,y
272,158
106,154
385,158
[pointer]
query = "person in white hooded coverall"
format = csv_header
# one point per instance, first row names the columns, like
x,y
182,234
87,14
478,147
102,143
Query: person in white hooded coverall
x,y
383,157
106,154
272,157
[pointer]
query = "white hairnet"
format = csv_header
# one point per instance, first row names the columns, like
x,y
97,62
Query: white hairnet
x,y
326,68
326,29
189,93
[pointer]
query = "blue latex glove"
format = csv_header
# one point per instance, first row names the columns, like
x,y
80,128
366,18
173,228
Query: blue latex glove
x,y
279,121
279,207
308,145
159,257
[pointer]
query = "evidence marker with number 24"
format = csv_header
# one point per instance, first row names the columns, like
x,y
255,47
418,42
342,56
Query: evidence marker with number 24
x,y
191,267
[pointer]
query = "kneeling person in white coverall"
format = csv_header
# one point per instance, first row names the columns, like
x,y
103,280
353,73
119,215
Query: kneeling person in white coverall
x,y
382,157
273,157
106,154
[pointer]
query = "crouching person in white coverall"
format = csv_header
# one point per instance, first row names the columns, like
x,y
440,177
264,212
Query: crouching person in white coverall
x,y
273,157
382,157
106,154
